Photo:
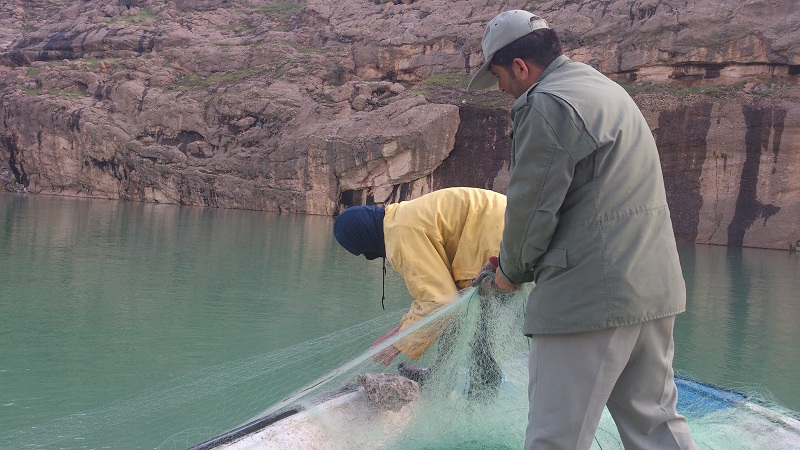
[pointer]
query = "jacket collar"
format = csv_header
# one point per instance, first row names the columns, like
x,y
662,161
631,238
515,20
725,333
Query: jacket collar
x,y
523,99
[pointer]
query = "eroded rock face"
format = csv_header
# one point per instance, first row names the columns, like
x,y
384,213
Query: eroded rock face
x,y
311,107
727,166
695,40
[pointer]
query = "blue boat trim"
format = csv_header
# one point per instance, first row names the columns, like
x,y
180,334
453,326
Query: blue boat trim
x,y
696,399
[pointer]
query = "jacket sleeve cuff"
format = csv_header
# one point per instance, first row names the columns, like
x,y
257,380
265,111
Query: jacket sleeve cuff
x,y
504,276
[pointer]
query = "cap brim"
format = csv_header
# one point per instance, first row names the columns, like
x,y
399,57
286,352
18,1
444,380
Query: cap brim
x,y
483,78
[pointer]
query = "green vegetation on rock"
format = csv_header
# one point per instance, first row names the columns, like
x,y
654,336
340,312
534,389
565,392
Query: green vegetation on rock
x,y
451,87
32,91
280,10
141,15
190,82
66,93
651,88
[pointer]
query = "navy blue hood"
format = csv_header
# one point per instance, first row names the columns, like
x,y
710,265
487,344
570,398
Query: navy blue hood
x,y
359,229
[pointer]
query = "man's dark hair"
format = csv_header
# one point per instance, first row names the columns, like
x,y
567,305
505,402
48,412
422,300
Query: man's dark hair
x,y
539,47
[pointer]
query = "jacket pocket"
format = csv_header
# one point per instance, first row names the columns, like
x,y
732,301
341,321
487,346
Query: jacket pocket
x,y
555,257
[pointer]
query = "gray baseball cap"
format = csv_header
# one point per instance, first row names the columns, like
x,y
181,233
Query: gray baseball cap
x,y
505,28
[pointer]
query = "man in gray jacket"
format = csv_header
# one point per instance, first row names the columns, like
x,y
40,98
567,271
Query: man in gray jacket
x,y
587,221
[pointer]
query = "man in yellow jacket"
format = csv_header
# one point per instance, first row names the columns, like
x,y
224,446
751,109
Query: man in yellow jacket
x,y
438,243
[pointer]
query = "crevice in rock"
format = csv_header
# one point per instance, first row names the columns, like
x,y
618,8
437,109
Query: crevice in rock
x,y
350,198
760,123
182,140
400,192
110,166
15,58
481,149
682,136
60,41
13,161
74,120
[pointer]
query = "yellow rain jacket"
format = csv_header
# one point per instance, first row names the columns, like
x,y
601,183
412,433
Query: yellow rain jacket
x,y
438,243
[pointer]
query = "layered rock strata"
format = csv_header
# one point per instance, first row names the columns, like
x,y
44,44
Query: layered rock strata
x,y
308,107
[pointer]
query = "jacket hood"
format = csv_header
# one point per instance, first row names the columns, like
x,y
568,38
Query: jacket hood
x,y
359,229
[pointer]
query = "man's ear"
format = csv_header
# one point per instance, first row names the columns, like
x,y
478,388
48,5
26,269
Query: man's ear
x,y
526,71
520,69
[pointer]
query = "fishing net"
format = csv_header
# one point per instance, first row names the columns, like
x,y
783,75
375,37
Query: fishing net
x,y
470,392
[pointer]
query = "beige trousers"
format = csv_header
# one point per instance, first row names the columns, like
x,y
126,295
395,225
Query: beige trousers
x,y
629,369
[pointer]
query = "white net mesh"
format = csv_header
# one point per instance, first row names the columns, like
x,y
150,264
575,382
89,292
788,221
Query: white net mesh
x,y
328,393
471,392
473,395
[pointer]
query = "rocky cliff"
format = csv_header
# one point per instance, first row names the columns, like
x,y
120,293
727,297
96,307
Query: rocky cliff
x,y
307,107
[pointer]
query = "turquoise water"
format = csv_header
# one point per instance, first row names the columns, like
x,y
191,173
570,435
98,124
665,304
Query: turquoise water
x,y
742,325
119,321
